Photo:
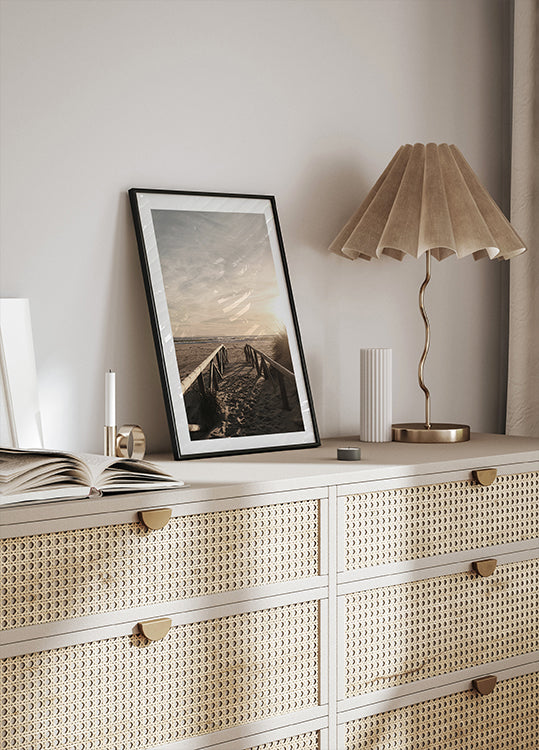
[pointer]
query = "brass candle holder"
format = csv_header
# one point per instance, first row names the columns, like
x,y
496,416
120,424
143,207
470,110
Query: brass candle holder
x,y
109,441
130,442
127,441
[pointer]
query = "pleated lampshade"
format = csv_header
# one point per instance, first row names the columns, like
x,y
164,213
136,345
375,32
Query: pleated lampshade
x,y
428,201
428,198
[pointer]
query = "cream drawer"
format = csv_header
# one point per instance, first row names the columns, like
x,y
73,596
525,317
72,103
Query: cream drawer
x,y
131,693
399,634
395,525
507,719
51,577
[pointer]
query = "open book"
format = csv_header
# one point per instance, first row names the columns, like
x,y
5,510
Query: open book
x,y
38,475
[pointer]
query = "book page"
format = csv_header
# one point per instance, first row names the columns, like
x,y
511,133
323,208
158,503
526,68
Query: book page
x,y
97,465
123,474
47,495
46,476
29,468
30,475
129,474
82,468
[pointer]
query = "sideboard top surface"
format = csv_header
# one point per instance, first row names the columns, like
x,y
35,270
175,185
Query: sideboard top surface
x,y
281,471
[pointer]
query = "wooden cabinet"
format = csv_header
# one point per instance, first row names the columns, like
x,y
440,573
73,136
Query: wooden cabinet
x,y
298,602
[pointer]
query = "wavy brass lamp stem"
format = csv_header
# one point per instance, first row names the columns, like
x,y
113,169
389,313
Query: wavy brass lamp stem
x,y
427,340
428,432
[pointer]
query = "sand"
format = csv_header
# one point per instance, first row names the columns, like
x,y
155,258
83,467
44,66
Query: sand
x,y
247,404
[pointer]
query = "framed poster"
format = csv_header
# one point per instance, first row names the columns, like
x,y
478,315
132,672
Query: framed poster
x,y
224,323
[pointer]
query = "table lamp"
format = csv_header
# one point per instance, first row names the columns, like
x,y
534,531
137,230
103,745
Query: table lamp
x,y
428,201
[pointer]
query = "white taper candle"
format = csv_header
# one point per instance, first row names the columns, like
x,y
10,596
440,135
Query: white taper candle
x,y
110,399
375,395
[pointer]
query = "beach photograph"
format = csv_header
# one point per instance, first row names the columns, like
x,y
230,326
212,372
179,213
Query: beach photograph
x,y
228,323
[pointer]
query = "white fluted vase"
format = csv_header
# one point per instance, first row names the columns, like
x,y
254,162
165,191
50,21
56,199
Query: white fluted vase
x,y
376,399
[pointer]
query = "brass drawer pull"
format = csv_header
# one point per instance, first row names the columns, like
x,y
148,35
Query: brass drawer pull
x,y
155,519
485,477
485,685
154,630
485,568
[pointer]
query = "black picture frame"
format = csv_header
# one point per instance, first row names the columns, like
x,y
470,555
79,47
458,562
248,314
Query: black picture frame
x,y
224,323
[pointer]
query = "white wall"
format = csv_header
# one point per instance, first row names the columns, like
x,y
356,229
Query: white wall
x,y
303,99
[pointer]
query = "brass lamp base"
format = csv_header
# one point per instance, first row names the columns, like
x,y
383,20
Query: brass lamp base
x,y
415,432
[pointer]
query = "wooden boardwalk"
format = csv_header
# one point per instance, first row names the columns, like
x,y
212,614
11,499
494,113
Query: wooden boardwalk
x,y
250,400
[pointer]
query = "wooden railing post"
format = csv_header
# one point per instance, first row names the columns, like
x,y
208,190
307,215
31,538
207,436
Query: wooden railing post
x,y
219,355
282,388
268,367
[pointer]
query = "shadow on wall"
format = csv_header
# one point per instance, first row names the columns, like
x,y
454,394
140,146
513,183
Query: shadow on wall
x,y
130,349
327,195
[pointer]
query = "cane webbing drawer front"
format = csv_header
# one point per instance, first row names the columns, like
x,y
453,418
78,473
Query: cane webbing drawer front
x,y
130,693
407,632
414,522
308,741
507,719
71,574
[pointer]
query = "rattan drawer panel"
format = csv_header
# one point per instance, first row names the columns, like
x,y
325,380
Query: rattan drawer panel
x,y
407,632
308,741
507,719
70,574
130,693
416,522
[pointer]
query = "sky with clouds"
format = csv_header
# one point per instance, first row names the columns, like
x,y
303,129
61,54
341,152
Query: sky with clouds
x,y
218,273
